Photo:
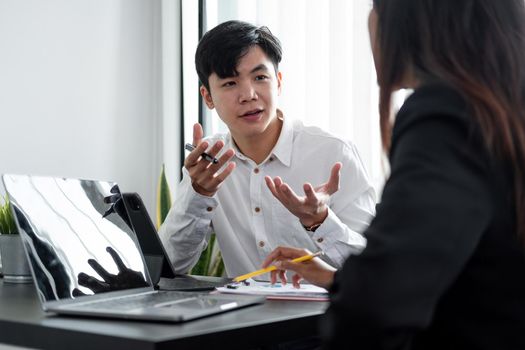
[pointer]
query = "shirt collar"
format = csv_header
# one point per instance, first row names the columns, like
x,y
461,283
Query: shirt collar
x,y
282,149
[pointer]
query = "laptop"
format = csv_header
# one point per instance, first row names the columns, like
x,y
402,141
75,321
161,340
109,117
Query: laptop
x,y
160,269
85,259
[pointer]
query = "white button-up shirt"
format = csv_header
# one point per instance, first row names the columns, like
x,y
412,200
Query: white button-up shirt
x,y
250,222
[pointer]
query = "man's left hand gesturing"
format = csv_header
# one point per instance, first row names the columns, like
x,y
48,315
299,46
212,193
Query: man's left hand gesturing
x,y
311,208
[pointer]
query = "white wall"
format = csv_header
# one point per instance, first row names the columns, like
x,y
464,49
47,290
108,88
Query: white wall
x,y
79,90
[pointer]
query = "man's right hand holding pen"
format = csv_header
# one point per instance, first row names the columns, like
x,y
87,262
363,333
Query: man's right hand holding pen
x,y
315,271
205,176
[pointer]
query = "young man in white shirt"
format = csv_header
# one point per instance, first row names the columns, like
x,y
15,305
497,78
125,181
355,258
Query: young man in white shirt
x,y
252,198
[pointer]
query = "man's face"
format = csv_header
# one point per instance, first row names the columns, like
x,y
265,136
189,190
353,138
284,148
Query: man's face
x,y
246,103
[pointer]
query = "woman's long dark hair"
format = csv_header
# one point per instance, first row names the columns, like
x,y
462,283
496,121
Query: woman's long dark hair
x,y
478,47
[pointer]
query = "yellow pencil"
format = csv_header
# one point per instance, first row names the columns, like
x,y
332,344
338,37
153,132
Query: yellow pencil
x,y
271,268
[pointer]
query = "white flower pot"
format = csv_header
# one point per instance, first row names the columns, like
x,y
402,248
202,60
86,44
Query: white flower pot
x,y
15,266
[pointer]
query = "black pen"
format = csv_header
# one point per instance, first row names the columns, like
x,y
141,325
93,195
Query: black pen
x,y
204,155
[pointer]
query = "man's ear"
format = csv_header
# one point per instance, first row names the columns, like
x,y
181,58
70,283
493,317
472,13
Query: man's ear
x,y
279,79
206,96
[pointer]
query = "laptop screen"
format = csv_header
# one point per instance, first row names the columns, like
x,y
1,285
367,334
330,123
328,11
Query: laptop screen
x,y
77,241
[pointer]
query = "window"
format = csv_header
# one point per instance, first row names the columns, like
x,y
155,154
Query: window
x,y
328,74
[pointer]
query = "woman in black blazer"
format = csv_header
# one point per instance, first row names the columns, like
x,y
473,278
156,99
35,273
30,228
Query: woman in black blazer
x,y
445,263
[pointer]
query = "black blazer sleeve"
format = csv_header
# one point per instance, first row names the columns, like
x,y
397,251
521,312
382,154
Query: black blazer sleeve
x,y
434,209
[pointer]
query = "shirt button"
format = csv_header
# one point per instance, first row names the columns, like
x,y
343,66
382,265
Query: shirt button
x,y
271,159
257,209
320,240
209,209
256,170
261,244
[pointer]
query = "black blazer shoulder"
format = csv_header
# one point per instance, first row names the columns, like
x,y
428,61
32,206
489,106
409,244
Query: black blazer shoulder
x,y
443,268
436,101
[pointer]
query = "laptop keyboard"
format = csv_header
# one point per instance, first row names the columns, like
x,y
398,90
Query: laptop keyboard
x,y
130,302
190,283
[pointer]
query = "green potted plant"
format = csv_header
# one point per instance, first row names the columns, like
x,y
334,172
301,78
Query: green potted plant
x,y
14,262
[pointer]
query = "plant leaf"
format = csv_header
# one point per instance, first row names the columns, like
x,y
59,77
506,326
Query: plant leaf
x,y
7,221
210,262
217,269
163,198
203,264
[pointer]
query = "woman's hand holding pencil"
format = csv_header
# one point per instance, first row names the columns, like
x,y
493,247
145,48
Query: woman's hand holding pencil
x,y
305,257
303,263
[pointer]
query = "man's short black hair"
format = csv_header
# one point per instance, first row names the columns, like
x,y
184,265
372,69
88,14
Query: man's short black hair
x,y
221,48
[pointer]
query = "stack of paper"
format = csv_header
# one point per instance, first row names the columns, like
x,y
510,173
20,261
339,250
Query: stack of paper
x,y
278,291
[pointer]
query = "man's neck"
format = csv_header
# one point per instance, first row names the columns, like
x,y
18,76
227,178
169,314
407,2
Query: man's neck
x,y
258,147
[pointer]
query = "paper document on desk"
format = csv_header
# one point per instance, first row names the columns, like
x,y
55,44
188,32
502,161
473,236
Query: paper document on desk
x,y
278,291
